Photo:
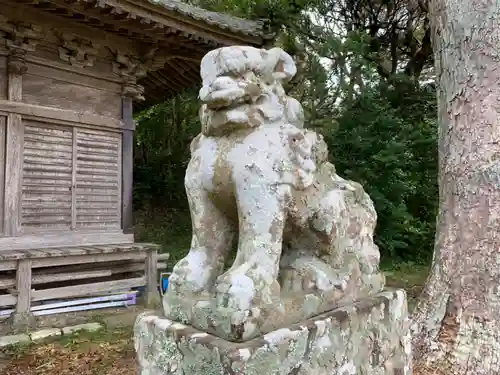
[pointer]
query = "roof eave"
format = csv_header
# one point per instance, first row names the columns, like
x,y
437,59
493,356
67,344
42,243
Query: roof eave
x,y
194,22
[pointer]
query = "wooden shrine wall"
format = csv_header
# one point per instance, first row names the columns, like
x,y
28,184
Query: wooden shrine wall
x,y
66,133
52,87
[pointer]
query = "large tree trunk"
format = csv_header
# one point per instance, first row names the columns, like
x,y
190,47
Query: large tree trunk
x,y
457,321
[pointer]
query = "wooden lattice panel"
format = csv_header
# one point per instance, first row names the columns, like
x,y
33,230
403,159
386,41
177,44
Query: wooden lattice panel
x,y
71,178
46,201
98,176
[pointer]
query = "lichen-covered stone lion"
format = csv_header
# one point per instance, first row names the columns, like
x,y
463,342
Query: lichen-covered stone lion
x,y
259,181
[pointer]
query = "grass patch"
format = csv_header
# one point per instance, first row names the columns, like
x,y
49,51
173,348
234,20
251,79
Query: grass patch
x,y
105,335
15,351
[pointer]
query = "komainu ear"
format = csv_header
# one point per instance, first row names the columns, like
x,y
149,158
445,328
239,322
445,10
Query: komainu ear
x,y
279,65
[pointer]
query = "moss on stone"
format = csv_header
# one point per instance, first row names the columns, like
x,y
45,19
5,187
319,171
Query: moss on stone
x,y
370,337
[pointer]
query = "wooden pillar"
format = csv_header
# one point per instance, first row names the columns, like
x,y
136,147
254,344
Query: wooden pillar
x,y
23,317
127,166
151,269
14,145
23,286
21,40
129,69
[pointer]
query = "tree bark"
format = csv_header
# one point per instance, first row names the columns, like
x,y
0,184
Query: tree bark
x,y
456,322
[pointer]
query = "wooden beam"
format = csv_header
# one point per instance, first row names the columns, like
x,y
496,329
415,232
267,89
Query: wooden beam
x,y
91,11
168,81
193,72
8,265
178,78
163,257
69,276
65,72
184,47
155,89
57,277
38,112
15,11
87,290
82,275
64,261
7,300
75,238
72,250
193,59
7,283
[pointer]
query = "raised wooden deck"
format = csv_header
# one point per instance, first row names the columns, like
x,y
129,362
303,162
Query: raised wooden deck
x,y
34,275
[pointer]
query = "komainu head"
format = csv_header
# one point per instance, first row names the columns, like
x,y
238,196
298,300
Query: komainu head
x,y
243,89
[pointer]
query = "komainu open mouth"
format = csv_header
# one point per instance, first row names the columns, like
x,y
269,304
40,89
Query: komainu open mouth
x,y
226,99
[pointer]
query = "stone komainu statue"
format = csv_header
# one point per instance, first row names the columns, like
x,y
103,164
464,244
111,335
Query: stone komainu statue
x,y
259,181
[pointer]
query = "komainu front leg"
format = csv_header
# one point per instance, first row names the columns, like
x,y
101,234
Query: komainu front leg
x,y
252,279
213,237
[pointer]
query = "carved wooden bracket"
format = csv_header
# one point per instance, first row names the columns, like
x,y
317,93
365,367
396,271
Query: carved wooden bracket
x,y
16,63
133,90
19,38
77,51
130,69
154,60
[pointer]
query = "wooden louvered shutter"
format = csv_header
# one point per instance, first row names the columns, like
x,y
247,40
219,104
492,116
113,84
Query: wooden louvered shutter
x,y
46,201
98,179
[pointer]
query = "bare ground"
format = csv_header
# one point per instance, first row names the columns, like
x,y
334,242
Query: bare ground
x,y
109,352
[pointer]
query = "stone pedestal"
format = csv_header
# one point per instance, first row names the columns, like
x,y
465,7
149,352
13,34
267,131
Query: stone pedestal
x,y
370,337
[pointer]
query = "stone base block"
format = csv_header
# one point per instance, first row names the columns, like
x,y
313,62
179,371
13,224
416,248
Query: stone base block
x,y
370,337
204,314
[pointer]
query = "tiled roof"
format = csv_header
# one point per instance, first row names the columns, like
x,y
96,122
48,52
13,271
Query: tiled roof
x,y
223,21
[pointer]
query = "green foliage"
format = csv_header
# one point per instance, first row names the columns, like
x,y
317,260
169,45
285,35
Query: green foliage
x,y
386,140
170,228
356,89
164,133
